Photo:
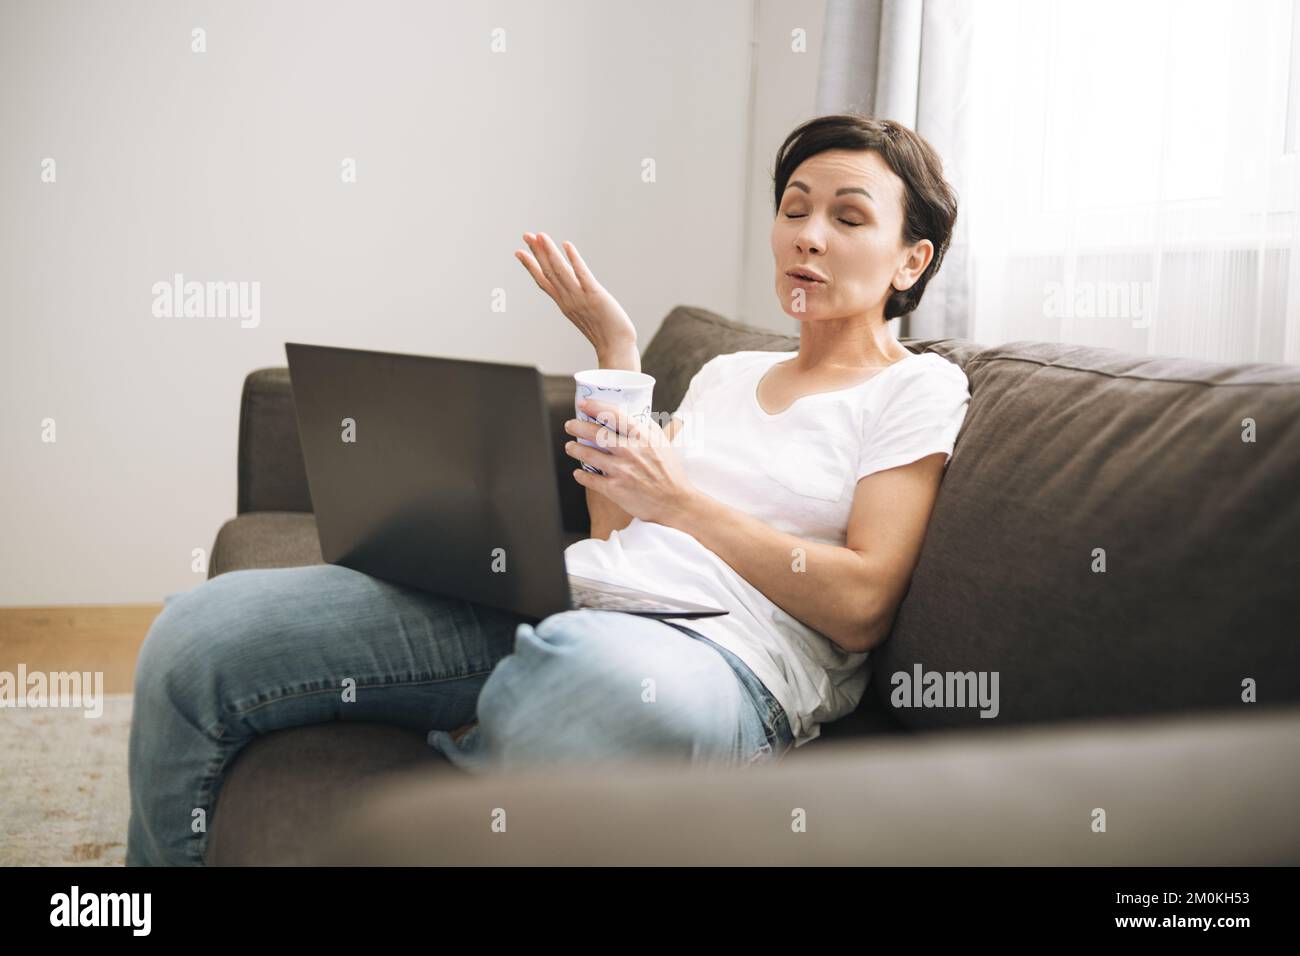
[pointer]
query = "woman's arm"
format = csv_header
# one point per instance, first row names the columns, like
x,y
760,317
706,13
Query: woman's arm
x,y
604,323
849,593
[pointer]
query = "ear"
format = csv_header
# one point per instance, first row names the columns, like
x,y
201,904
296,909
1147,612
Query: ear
x,y
918,257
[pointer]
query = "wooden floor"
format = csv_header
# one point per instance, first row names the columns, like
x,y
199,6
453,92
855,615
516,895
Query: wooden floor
x,y
103,638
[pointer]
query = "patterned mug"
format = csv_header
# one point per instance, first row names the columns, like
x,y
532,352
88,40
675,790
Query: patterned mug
x,y
631,391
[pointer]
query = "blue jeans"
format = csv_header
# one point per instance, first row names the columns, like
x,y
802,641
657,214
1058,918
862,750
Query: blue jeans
x,y
249,652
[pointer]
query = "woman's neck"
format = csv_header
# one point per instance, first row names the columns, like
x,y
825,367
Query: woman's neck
x,y
852,343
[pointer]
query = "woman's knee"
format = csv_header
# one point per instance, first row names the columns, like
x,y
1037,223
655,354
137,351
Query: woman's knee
x,y
588,681
199,632
586,650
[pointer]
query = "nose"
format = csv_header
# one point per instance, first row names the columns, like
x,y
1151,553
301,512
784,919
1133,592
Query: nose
x,y
807,241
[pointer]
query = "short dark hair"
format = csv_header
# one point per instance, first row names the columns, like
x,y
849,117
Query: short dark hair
x,y
929,202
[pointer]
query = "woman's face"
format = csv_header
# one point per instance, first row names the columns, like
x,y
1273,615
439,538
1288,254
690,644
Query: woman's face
x,y
842,216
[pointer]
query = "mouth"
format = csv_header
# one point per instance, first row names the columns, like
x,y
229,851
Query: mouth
x,y
806,276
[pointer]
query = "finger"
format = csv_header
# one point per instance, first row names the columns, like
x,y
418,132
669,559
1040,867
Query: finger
x,y
536,272
636,434
585,279
643,427
588,430
611,416
553,265
592,456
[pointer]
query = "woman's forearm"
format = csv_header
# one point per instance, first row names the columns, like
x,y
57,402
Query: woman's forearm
x,y
624,355
826,587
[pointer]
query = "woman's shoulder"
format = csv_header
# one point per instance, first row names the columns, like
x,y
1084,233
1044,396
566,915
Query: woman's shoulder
x,y
924,377
929,371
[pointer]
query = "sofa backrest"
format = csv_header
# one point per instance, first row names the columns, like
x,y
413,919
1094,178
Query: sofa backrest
x,y
1104,540
1116,534
690,336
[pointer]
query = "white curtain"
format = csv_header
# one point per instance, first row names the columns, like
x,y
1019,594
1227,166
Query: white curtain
x,y
1132,176
908,60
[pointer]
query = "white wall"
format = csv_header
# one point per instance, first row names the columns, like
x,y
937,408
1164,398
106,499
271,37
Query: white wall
x,y
784,94
225,165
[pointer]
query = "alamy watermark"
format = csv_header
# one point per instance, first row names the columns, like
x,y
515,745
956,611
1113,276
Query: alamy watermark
x,y
922,688
75,908
1099,300
177,298
55,689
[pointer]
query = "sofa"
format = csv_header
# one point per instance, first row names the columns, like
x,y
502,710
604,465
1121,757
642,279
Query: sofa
x,y
1117,538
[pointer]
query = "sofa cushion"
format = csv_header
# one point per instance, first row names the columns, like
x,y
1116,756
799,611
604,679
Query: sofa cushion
x,y
285,788
1177,792
1068,450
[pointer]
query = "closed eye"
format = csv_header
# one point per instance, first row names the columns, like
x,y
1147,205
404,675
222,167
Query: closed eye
x,y
843,220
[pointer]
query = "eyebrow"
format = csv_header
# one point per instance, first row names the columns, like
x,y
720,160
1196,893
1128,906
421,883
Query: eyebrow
x,y
798,184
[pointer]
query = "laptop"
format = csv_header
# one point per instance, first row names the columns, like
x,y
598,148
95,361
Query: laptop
x,y
439,474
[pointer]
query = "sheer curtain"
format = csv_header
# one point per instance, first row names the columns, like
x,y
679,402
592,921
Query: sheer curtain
x,y
1132,177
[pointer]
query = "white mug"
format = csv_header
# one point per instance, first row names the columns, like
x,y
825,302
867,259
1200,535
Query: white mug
x,y
630,391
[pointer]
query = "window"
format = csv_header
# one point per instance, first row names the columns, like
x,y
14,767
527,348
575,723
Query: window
x,y
1133,176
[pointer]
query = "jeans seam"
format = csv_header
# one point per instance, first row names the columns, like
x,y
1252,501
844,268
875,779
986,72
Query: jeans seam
x,y
760,697
206,800
778,715
364,682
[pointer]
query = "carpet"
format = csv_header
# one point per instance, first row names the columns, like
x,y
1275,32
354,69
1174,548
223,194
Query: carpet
x,y
64,799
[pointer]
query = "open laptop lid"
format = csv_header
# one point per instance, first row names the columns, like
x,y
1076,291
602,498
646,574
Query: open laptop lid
x,y
432,472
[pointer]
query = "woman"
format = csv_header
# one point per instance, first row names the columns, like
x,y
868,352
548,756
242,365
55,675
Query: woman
x,y
791,488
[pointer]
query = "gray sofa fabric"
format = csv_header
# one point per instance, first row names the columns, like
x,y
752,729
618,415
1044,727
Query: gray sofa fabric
x,y
1067,450
272,473
266,539
290,787
1176,791
1064,450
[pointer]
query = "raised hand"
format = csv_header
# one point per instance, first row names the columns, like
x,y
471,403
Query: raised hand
x,y
583,300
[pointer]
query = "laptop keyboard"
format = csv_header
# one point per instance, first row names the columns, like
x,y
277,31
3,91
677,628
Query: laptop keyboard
x,y
585,596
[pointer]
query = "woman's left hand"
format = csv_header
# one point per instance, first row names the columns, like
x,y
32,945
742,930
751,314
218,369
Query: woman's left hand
x,y
643,473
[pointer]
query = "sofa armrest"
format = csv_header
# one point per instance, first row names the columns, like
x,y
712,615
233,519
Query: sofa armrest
x,y
1194,790
272,475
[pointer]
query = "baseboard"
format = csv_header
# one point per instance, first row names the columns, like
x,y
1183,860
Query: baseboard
x,y
96,638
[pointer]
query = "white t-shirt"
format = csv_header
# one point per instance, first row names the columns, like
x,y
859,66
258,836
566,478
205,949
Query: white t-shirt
x,y
796,471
